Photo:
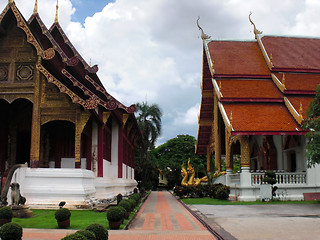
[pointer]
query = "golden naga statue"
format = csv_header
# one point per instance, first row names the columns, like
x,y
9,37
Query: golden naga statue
x,y
192,182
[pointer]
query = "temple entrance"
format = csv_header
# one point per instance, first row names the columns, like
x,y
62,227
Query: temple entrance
x,y
15,132
57,143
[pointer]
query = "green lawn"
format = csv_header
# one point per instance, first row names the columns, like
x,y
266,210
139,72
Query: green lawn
x,y
80,219
211,201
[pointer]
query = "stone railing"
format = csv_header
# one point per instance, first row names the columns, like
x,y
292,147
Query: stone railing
x,y
281,177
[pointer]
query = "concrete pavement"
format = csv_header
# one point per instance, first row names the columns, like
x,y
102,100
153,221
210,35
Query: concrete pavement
x,y
263,222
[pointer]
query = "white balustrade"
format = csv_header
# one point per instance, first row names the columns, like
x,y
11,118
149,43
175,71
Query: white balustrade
x,y
282,178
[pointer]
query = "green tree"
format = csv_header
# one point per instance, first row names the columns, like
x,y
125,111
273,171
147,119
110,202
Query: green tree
x,y
149,121
170,156
312,123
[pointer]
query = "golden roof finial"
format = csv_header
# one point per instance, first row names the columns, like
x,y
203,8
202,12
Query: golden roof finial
x,y
230,119
271,59
11,1
35,10
283,79
57,8
300,109
203,35
90,63
255,30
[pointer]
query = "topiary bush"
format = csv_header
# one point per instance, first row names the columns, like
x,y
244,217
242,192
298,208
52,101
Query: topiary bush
x,y
223,192
6,213
11,231
62,214
115,214
100,232
125,204
75,236
89,235
135,196
133,203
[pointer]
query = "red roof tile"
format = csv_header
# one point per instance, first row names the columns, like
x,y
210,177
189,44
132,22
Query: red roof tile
x,y
304,100
293,53
237,58
255,88
300,82
261,117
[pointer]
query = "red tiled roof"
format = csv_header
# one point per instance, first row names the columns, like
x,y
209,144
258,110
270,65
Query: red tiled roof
x,y
300,82
255,88
261,117
237,58
304,100
293,53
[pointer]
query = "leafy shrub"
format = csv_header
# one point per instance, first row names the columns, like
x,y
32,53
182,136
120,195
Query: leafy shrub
x,y
212,191
75,236
11,231
6,213
270,177
223,192
115,214
125,204
89,235
62,214
100,232
133,203
135,196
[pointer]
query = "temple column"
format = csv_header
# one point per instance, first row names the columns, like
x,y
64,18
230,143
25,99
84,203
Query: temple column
x,y
80,121
120,152
209,165
228,151
217,136
36,125
245,176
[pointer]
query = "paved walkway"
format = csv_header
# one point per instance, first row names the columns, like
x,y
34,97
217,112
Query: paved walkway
x,y
161,217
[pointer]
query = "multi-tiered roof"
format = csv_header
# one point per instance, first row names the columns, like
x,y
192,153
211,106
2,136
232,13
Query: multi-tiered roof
x,y
60,62
263,87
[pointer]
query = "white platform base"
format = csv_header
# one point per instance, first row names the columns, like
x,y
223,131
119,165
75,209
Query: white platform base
x,y
47,187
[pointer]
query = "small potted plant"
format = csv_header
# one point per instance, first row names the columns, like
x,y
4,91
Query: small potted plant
x,y
62,216
115,216
6,215
100,232
11,231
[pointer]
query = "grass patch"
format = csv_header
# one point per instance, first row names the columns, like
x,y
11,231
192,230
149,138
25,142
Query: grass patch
x,y
211,201
80,219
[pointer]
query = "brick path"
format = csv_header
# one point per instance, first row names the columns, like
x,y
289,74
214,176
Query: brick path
x,y
161,217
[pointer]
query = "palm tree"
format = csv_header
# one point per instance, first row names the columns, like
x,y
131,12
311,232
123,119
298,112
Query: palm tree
x,y
149,121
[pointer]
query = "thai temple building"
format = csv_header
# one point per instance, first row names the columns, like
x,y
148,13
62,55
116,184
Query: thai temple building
x,y
56,116
254,97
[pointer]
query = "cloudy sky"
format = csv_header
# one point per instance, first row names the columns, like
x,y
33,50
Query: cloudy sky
x,y
151,50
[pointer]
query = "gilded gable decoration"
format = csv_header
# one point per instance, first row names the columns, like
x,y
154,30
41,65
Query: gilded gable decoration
x,y
203,35
255,30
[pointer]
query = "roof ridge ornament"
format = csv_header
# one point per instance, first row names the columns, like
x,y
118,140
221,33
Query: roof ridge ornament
x,y
35,10
11,1
57,8
255,30
203,35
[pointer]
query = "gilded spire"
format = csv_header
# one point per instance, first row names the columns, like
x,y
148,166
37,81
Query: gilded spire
x,y
203,35
35,10
255,30
283,79
57,8
11,1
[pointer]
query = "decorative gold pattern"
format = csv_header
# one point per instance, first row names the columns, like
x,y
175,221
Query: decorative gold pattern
x,y
125,118
48,54
105,117
35,10
245,153
21,24
4,12
279,84
4,72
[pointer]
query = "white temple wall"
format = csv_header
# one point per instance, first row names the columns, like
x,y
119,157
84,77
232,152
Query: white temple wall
x,y
115,147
